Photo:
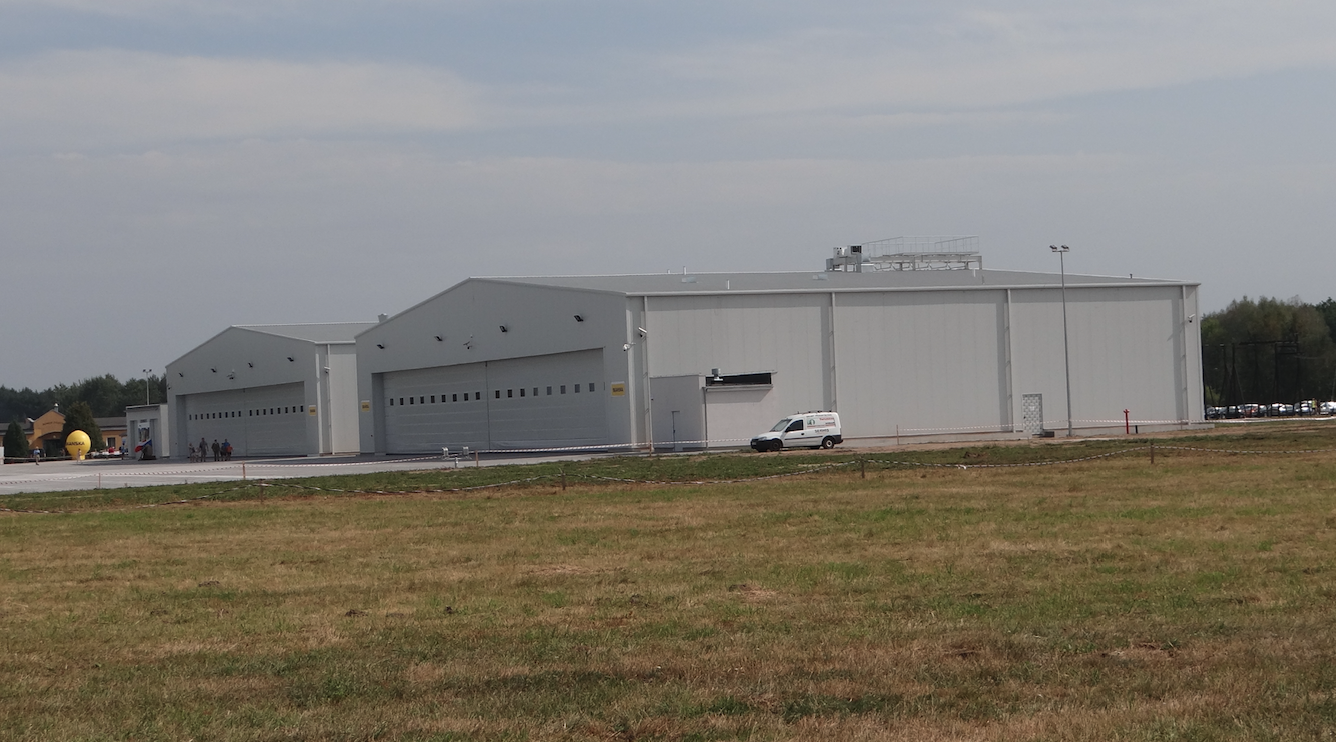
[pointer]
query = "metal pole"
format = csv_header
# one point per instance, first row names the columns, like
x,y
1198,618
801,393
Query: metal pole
x,y
1066,356
147,371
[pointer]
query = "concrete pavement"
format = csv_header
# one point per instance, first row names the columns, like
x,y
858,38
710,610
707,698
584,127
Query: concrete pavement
x,y
59,476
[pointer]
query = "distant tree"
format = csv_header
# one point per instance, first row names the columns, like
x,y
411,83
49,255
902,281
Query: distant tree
x,y
79,416
1268,350
24,403
1328,311
16,444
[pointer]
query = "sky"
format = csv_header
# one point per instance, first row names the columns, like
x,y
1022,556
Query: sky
x,y
169,168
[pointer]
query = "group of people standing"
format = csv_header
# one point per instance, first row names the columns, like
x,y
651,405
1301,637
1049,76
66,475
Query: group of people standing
x,y
221,451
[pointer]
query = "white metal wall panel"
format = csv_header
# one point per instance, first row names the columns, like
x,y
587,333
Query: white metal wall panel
x,y
1126,350
920,361
264,421
788,334
432,408
548,401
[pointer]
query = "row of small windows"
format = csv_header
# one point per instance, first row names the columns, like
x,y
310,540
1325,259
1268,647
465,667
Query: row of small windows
x,y
510,393
249,413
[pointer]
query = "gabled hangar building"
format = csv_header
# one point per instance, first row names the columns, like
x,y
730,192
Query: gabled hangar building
x,y
682,360
270,390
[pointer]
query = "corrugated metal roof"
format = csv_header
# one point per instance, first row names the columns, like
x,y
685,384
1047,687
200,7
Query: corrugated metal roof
x,y
320,332
822,281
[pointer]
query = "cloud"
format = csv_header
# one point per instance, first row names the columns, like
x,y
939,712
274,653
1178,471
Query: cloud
x,y
75,99
977,55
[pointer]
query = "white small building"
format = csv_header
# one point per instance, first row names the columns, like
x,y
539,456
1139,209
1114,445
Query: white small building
x,y
711,359
270,390
147,423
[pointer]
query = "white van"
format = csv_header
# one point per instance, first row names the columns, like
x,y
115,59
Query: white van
x,y
813,429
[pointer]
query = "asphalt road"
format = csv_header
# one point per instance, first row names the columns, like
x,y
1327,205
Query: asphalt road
x,y
58,476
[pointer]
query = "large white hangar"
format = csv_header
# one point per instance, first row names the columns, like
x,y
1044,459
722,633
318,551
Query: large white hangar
x,y
680,359
270,390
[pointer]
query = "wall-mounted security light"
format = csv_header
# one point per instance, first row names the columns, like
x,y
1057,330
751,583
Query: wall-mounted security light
x,y
291,359
578,318
181,374
231,374
439,338
378,345
1191,317
626,347
249,364
504,328
214,370
643,332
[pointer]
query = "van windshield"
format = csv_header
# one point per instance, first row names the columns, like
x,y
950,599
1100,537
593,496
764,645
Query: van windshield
x,y
780,426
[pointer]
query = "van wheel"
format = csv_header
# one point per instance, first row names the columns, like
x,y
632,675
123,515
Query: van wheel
x,y
777,446
827,442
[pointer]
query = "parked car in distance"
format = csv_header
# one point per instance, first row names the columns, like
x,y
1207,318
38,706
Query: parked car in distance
x,y
1328,408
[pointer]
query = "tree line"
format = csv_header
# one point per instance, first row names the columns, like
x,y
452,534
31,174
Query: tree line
x,y
104,395
1269,350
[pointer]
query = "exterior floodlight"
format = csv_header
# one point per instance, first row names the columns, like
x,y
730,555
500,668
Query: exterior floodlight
x,y
439,338
214,370
626,347
378,345
578,318
291,359
643,332
504,329
249,364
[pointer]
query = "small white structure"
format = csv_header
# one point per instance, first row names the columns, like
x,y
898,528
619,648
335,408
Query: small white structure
x,y
270,390
147,422
683,361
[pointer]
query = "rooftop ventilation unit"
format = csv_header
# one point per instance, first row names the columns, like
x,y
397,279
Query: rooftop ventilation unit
x,y
939,253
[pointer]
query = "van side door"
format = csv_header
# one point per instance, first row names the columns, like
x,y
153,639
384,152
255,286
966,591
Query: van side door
x,y
794,432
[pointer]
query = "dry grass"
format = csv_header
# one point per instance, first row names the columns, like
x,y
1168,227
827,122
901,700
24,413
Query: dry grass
x,y
1109,600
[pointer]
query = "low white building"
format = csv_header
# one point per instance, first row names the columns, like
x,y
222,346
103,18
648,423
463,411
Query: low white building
x,y
682,360
148,423
269,390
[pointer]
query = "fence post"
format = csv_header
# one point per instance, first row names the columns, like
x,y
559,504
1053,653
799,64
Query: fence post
x,y
476,462
862,467
563,480
1152,452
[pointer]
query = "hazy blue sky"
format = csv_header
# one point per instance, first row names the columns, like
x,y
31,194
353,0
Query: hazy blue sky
x,y
172,167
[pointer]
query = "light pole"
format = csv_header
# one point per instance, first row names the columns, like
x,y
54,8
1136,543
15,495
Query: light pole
x,y
1061,250
146,371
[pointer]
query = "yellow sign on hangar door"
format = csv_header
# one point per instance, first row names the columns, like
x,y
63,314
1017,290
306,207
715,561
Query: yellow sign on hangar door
x,y
618,388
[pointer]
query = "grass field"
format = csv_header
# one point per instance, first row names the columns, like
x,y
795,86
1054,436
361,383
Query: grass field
x,y
1108,599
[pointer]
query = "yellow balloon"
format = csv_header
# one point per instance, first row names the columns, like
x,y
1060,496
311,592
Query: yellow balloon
x,y
77,444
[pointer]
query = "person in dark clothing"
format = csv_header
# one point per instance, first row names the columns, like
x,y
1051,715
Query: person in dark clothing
x,y
217,451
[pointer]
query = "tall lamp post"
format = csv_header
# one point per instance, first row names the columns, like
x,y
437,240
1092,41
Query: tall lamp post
x,y
1061,250
147,372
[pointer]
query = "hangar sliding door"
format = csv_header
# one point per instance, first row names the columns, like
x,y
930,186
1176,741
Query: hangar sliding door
x,y
549,401
428,409
264,421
